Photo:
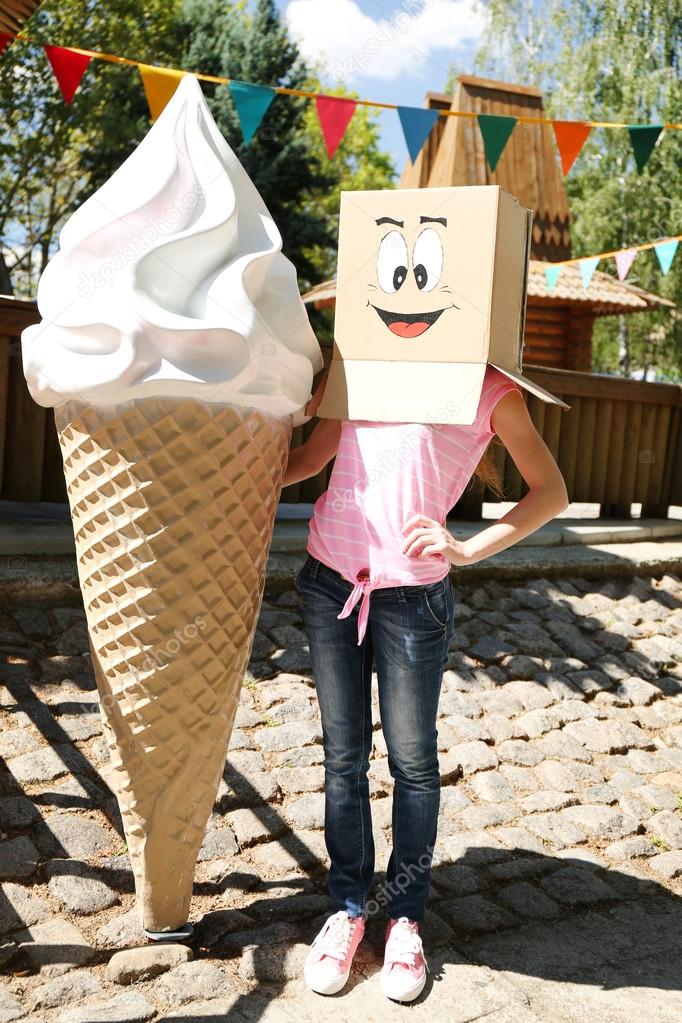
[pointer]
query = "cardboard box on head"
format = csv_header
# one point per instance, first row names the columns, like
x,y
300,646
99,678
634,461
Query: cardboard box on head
x,y
431,287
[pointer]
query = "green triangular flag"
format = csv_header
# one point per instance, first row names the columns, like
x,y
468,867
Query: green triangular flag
x,y
643,138
495,129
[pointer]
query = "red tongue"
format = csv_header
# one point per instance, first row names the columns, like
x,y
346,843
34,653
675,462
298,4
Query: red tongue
x,y
403,329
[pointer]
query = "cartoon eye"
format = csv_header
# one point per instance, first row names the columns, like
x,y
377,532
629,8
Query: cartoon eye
x,y
392,262
427,259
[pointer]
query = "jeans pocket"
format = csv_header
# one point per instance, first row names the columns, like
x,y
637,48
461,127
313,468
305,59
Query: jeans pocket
x,y
437,603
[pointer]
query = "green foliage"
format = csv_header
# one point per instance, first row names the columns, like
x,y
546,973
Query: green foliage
x,y
55,155
611,60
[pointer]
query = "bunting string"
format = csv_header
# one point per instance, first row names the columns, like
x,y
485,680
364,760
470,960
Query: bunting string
x,y
252,100
665,249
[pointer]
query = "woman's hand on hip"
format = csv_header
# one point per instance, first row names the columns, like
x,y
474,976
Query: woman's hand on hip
x,y
426,538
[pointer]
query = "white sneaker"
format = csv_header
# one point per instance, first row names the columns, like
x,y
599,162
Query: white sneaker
x,y
403,974
327,965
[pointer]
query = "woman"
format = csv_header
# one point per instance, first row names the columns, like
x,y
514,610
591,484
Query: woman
x,y
376,589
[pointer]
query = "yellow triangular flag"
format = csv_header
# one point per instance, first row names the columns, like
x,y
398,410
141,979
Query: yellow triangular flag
x,y
159,84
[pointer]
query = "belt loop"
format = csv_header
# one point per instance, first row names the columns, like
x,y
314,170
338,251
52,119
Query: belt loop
x,y
314,566
400,592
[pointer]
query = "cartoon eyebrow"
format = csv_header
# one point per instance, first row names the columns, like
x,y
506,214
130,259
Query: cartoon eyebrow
x,y
434,220
390,220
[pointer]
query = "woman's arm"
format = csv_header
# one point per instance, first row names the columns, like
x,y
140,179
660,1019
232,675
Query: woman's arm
x,y
310,458
546,497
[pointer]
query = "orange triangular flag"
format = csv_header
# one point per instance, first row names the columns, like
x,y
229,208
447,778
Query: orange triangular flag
x,y
69,67
159,85
570,138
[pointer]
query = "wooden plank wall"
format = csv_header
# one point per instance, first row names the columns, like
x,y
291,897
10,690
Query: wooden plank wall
x,y
620,443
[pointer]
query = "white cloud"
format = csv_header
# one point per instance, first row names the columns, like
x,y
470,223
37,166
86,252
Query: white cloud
x,y
418,35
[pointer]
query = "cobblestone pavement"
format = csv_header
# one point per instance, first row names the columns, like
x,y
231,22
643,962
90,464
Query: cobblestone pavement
x,y
557,874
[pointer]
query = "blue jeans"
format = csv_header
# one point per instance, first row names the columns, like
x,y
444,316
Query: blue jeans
x,y
408,634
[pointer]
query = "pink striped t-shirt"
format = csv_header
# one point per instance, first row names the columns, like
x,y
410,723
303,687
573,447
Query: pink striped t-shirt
x,y
383,474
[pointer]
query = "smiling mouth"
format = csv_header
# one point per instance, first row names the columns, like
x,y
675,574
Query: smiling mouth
x,y
408,324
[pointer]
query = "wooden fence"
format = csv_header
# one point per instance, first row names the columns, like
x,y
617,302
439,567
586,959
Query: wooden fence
x,y
620,443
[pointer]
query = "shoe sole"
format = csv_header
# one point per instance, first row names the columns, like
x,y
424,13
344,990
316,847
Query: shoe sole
x,y
330,989
406,996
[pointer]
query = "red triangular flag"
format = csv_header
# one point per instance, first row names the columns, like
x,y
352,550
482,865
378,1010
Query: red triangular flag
x,y
69,67
334,114
570,138
5,40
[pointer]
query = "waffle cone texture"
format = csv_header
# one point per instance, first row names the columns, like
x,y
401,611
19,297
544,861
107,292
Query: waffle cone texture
x,y
173,504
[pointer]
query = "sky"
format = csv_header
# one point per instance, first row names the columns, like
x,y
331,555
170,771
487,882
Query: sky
x,y
394,51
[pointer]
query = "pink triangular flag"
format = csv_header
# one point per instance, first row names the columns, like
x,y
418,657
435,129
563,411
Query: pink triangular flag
x,y
624,261
334,113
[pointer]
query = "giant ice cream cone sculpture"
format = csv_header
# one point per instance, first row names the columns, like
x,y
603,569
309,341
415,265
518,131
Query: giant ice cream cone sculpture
x,y
177,354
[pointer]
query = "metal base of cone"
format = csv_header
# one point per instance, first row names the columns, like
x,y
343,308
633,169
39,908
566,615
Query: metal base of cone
x,y
173,505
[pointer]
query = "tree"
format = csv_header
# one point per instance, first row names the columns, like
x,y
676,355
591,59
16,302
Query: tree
x,y
281,159
610,60
53,154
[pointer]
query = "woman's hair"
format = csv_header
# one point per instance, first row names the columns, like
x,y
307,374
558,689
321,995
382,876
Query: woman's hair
x,y
487,473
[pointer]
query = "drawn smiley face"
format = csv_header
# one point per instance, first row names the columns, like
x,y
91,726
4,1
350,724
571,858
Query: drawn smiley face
x,y
413,277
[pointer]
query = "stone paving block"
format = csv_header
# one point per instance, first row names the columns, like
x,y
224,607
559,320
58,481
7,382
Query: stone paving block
x,y
559,744
466,759
518,839
128,1007
135,964
668,827
20,906
54,946
476,914
307,811
260,824
458,880
70,987
75,835
522,779
605,737
554,829
488,815
492,787
18,858
288,736
188,981
527,901
78,887
603,822
545,800
667,865
630,848
576,886
519,753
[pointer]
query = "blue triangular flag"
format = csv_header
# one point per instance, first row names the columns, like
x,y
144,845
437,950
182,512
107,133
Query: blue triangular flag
x,y
665,252
251,102
587,268
416,124
552,275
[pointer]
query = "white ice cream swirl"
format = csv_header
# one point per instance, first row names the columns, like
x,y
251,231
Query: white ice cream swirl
x,y
170,282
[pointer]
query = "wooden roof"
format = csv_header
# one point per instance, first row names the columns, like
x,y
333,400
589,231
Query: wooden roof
x,y
13,13
528,167
605,295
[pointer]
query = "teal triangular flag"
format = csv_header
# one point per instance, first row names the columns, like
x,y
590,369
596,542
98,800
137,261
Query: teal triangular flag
x,y
495,129
643,138
552,275
416,124
587,268
251,102
665,252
